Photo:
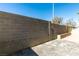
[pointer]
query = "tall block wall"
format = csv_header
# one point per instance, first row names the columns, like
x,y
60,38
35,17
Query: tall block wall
x,y
59,29
19,32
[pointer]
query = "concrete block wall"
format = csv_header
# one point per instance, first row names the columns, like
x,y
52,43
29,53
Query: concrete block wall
x,y
59,29
19,32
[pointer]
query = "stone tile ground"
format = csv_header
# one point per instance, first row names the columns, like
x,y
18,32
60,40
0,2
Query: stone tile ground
x,y
57,48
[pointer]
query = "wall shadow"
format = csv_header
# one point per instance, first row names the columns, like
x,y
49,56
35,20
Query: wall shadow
x,y
25,52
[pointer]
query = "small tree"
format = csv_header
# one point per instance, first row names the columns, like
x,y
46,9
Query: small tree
x,y
57,20
71,23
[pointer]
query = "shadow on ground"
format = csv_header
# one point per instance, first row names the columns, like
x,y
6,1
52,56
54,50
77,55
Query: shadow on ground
x,y
25,52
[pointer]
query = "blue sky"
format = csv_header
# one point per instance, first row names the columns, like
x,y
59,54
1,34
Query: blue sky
x,y
67,10
37,10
